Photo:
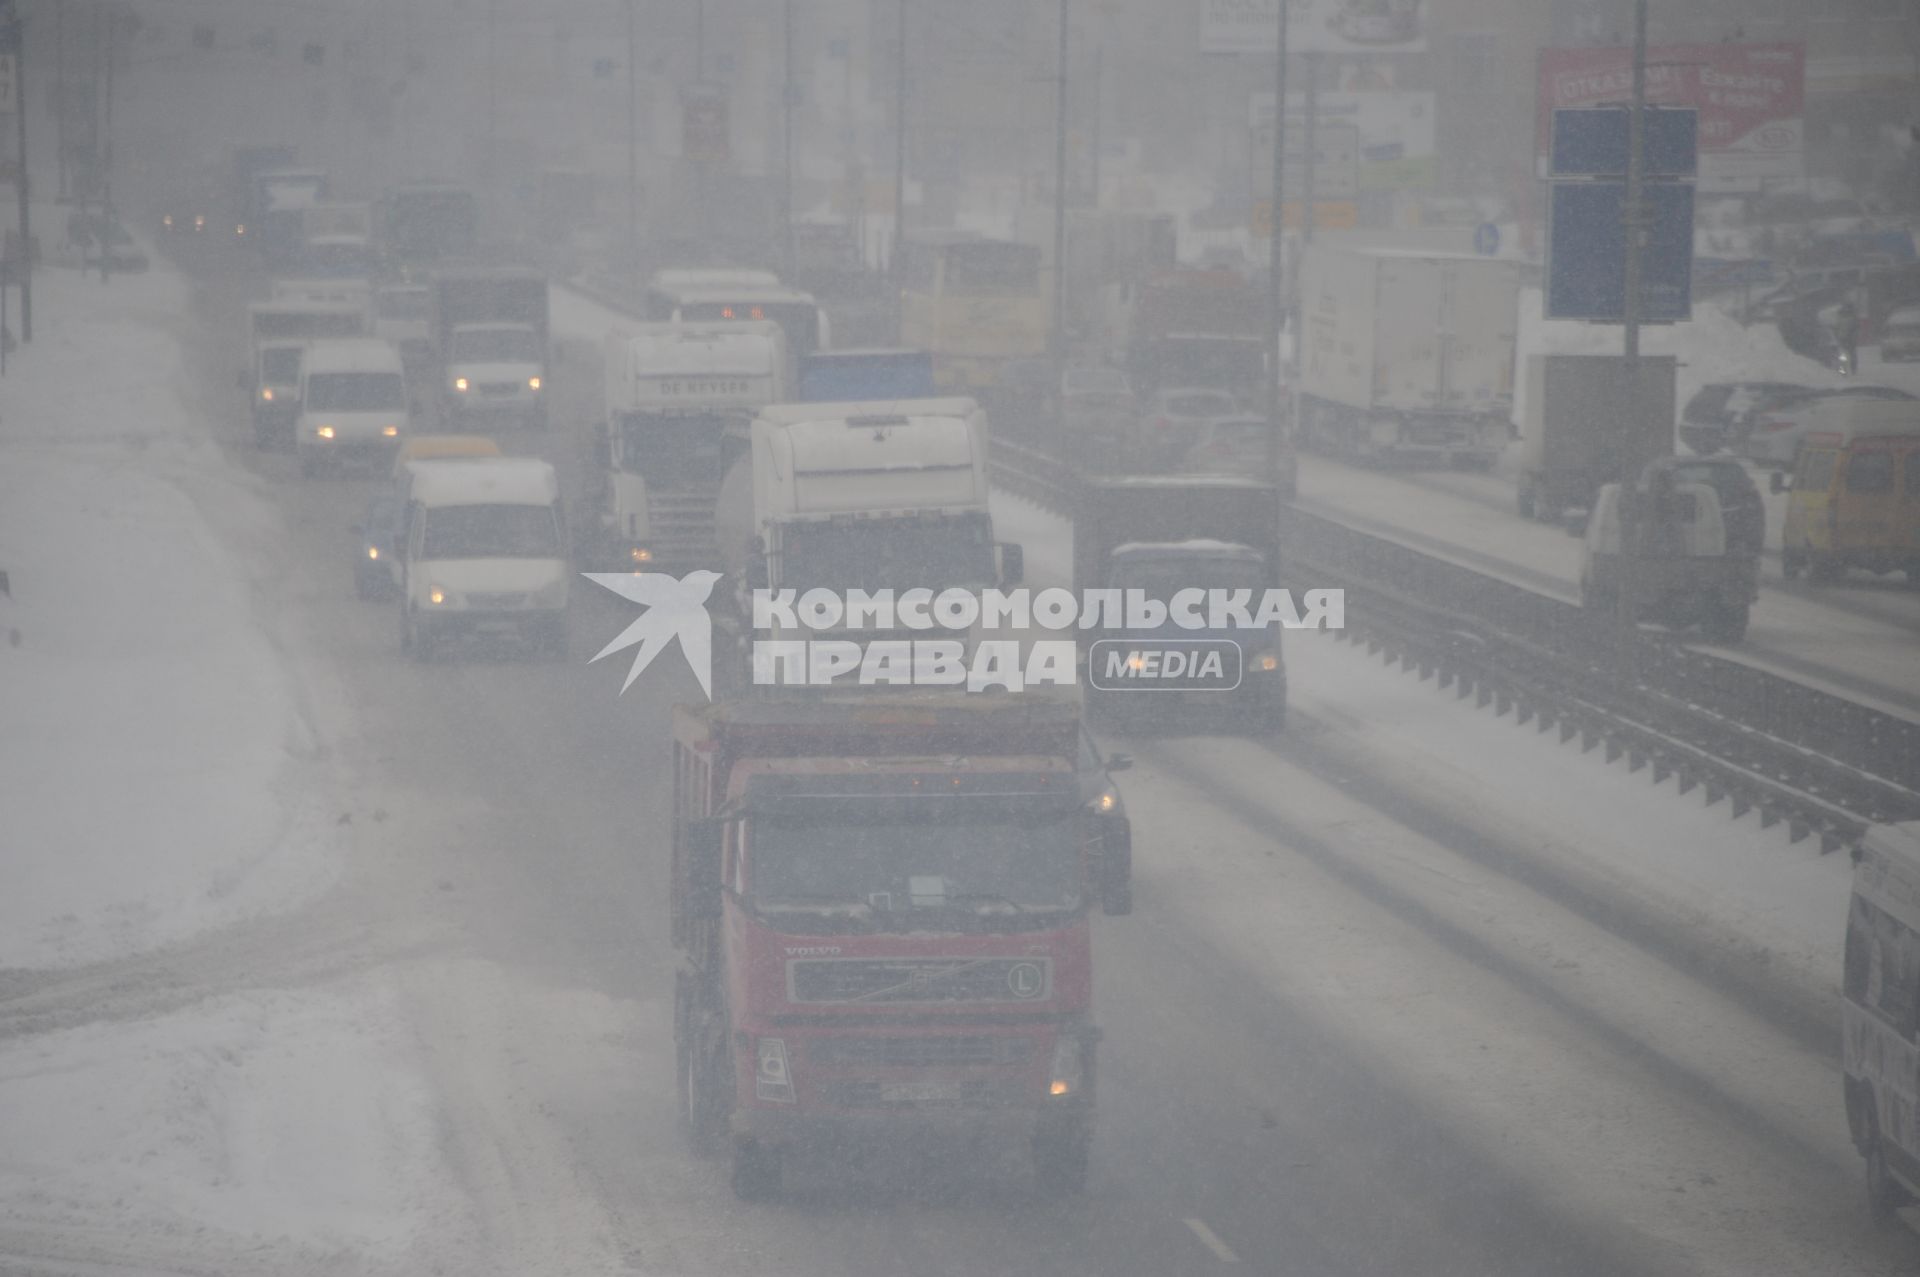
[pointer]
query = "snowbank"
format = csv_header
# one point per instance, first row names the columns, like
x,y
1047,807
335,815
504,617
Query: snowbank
x,y
148,730
265,1125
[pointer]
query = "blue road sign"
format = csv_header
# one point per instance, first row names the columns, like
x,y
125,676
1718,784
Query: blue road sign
x,y
1592,142
1486,239
1586,253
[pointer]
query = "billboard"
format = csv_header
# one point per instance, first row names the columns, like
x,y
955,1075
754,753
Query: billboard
x,y
1750,98
1395,132
1314,26
1587,253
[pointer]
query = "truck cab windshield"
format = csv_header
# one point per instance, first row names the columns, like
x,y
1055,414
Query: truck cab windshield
x,y
490,532
356,392
898,554
980,856
279,367
672,449
1162,578
496,346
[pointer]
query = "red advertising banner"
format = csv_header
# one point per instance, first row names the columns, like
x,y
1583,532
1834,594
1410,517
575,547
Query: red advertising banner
x,y
1750,98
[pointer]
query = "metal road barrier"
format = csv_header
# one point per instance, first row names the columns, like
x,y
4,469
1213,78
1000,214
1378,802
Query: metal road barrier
x,y
1823,764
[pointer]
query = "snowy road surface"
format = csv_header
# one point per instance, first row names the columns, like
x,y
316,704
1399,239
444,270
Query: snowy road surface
x,y
1360,1022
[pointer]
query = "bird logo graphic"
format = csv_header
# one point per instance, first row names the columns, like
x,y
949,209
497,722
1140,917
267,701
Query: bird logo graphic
x,y
676,608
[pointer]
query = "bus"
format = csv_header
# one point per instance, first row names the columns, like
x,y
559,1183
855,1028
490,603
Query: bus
x,y
976,304
722,296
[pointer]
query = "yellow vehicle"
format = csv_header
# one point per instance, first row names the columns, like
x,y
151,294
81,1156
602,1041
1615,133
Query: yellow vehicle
x,y
1855,489
442,448
975,304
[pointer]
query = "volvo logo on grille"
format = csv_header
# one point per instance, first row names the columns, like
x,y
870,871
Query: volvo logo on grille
x,y
1026,980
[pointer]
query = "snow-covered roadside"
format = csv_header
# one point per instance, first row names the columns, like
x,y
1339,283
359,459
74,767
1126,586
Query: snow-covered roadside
x,y
165,784
261,1131
149,740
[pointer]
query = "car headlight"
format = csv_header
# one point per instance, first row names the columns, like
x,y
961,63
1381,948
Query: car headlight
x,y
167,221
533,383
373,552
266,393
640,554
199,223
241,229
1108,801
390,432
460,384
1068,1072
325,432
771,1080
436,595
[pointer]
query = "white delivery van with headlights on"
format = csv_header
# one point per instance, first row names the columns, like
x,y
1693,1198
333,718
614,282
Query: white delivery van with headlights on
x,y
482,554
353,401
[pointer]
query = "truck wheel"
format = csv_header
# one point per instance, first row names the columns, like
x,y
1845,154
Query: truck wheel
x,y
756,1172
1885,1195
1061,1157
1726,622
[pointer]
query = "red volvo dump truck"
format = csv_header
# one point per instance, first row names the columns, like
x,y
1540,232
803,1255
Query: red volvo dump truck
x,y
881,904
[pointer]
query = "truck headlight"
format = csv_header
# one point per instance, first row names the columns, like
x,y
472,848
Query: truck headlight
x,y
1268,661
373,552
436,595
460,384
390,432
325,432
640,554
771,1080
533,383
266,393
1068,1073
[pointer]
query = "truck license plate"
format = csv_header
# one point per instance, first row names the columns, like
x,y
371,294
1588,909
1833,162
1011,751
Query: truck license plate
x,y
919,1092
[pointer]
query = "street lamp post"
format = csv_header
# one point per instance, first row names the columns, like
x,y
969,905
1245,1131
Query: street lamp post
x,y
1060,209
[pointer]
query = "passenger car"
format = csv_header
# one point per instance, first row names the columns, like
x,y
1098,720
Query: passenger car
x,y
1774,437
1176,419
1900,336
1720,412
1239,445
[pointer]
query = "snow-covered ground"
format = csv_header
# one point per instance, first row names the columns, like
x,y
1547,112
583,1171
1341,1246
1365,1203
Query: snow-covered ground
x,y
163,785
151,765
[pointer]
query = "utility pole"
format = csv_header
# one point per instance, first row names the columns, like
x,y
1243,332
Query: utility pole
x,y
895,256
1060,210
1633,531
1275,316
15,41
787,95
1311,130
633,150
1099,85
111,24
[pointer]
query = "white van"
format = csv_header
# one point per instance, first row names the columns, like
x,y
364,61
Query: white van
x,y
483,553
353,400
1879,1010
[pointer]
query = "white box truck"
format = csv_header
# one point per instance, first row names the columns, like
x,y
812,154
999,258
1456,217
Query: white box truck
x,y
672,392
1407,356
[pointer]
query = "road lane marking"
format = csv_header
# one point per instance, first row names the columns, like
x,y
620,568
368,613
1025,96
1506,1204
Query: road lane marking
x,y
1211,1240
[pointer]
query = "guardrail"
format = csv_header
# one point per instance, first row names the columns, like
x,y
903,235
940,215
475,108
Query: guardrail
x,y
1826,765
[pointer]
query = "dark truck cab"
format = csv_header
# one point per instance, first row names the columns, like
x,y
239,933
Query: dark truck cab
x,y
1161,535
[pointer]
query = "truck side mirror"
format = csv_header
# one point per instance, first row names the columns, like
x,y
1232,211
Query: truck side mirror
x,y
1119,762
1114,870
1013,563
700,844
1779,482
